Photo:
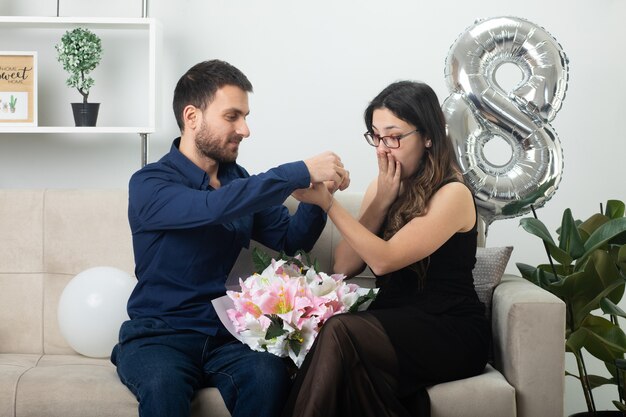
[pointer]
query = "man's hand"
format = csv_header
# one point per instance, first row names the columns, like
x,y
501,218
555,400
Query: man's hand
x,y
328,167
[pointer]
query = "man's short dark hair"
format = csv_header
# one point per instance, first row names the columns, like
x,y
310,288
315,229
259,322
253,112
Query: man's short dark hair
x,y
199,84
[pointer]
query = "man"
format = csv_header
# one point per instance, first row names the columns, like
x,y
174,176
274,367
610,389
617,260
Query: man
x,y
190,214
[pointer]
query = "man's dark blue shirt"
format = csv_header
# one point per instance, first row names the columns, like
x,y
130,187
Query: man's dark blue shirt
x,y
187,235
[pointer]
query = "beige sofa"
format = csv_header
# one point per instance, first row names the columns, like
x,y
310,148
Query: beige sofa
x,y
48,236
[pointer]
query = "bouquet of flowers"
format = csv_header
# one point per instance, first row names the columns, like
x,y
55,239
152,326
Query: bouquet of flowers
x,y
282,309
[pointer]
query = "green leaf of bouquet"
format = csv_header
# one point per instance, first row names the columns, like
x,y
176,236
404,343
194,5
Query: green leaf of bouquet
x,y
308,262
614,209
316,266
362,300
275,329
295,346
260,260
306,256
300,263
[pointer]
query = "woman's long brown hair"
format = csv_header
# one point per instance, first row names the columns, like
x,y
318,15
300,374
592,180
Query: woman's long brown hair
x,y
416,103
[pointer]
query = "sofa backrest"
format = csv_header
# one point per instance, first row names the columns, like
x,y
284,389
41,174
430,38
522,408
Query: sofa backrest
x,y
49,236
46,238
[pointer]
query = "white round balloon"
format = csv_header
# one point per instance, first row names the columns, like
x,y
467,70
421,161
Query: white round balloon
x,y
92,308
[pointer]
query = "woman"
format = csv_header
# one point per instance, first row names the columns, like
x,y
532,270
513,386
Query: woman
x,y
417,233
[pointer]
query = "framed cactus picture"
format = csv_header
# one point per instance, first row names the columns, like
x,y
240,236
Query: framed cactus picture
x,y
18,88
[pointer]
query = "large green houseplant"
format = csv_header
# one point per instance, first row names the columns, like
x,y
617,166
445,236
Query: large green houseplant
x,y
587,270
80,51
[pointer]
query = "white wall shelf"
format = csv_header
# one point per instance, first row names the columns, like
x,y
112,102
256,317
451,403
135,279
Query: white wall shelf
x,y
95,23
75,129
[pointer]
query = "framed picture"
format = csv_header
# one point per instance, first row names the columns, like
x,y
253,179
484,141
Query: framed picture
x,y
18,88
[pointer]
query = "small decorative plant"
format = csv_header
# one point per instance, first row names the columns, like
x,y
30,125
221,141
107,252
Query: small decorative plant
x,y
12,103
587,270
79,51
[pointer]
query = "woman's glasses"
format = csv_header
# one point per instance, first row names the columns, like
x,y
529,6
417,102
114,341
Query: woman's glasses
x,y
392,141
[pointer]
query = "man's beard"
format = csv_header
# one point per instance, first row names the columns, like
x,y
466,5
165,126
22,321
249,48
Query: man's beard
x,y
211,147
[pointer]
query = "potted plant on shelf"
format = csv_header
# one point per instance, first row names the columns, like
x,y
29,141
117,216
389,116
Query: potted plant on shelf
x,y
587,270
80,51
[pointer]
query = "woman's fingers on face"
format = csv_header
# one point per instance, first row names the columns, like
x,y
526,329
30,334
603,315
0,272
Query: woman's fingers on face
x,y
382,162
386,163
391,164
398,171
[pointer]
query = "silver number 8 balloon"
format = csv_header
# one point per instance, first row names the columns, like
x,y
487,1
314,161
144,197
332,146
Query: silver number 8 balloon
x,y
478,110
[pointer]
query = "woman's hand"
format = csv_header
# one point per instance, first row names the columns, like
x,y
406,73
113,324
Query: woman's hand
x,y
317,194
388,184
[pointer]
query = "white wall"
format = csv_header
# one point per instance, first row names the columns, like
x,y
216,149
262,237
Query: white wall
x,y
315,65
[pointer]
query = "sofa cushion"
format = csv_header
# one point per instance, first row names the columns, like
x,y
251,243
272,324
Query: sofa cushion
x,y
21,312
488,271
86,228
12,367
21,225
74,385
485,395
53,340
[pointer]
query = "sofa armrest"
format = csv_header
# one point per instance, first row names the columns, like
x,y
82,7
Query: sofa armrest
x,y
528,325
